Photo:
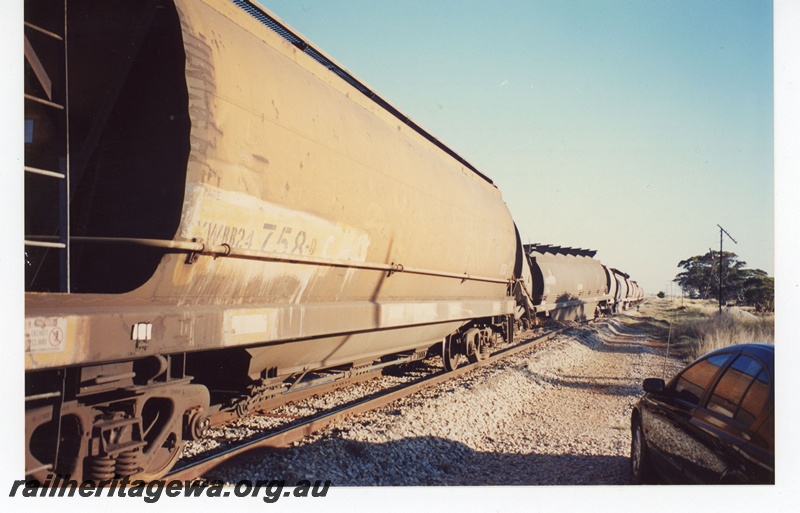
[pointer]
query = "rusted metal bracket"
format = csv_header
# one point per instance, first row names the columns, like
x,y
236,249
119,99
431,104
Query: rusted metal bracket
x,y
193,256
395,268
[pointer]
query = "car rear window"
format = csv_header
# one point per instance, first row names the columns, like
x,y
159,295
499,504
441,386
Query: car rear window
x,y
694,380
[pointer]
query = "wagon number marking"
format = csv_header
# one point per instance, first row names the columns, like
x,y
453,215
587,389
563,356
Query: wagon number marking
x,y
280,239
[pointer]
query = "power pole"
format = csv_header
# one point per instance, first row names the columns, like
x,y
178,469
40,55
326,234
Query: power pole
x,y
721,261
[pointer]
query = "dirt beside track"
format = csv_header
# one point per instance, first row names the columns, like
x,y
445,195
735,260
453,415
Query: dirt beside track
x,y
558,415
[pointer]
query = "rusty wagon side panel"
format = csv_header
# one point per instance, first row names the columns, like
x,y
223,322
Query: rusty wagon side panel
x,y
287,160
230,215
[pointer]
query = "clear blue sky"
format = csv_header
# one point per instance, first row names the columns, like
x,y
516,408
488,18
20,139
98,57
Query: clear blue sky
x,y
632,128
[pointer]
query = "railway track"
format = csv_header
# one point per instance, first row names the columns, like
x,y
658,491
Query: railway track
x,y
302,428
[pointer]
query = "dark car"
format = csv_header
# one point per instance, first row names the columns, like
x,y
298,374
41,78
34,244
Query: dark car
x,y
713,423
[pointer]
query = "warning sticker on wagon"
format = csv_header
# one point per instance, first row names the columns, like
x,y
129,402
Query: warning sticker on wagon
x,y
45,334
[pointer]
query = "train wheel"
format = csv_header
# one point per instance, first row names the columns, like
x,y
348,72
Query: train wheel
x,y
481,345
452,352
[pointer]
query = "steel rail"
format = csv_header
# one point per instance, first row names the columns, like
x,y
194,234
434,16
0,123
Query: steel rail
x,y
286,436
40,244
43,31
225,250
44,172
43,101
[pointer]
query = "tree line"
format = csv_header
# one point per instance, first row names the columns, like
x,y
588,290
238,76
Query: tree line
x,y
700,279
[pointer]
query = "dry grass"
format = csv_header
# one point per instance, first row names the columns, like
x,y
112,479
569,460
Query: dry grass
x,y
694,327
726,330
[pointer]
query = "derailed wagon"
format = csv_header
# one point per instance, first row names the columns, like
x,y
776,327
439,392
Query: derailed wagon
x,y
217,212
568,284
226,215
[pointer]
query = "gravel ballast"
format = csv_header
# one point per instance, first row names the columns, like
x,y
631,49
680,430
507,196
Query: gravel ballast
x,y
557,415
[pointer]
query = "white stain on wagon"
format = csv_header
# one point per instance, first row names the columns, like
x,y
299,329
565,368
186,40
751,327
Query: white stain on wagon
x,y
242,221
